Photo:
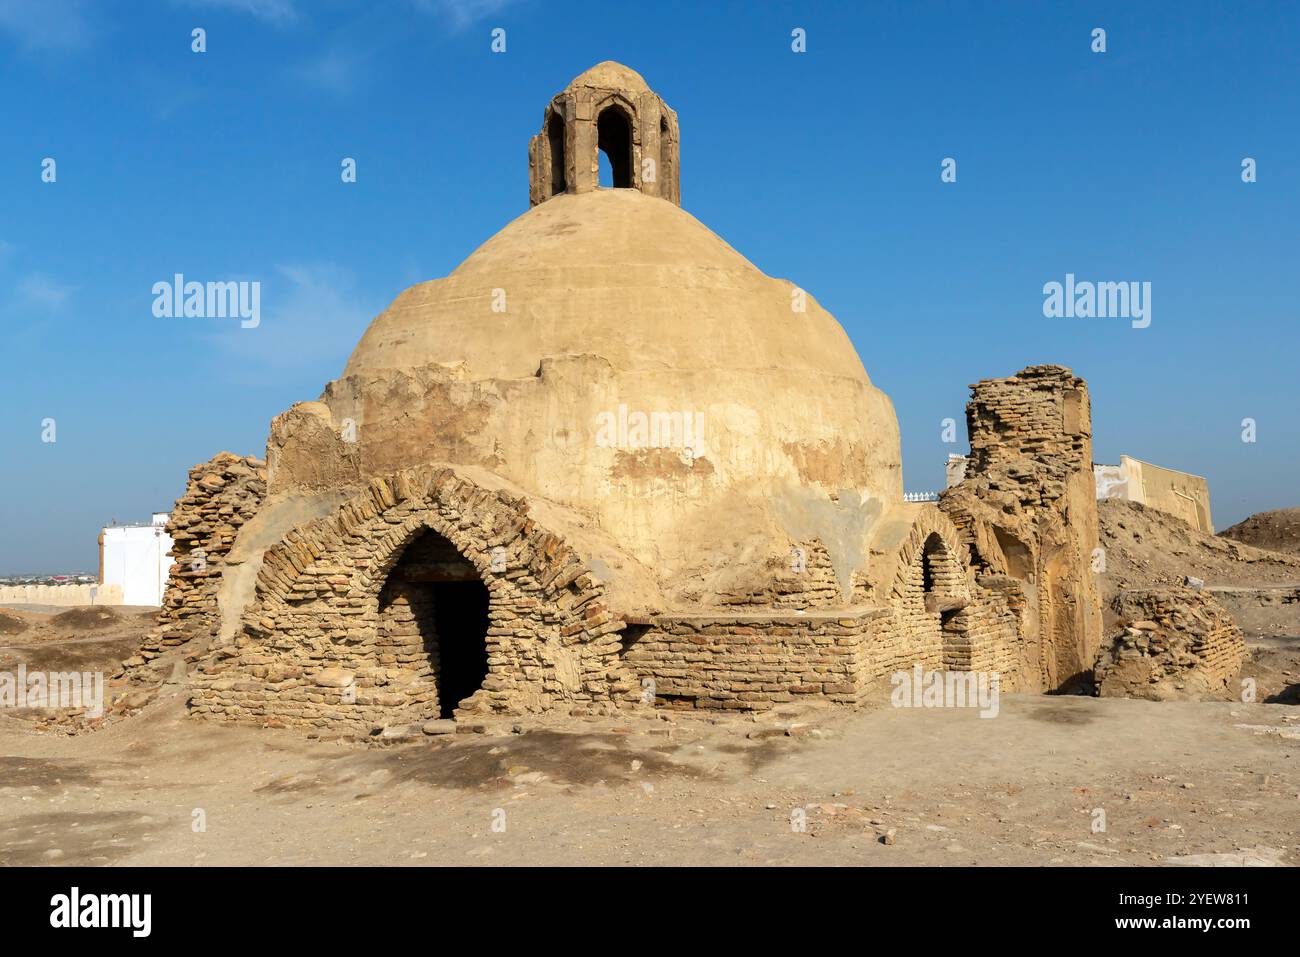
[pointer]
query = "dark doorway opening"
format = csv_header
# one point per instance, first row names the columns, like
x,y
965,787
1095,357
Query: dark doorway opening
x,y
632,633
614,139
460,611
435,598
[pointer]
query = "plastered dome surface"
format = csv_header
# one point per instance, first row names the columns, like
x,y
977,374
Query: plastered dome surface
x,y
643,284
608,353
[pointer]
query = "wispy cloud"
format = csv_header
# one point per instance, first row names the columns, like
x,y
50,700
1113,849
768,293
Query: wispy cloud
x,y
311,318
33,304
460,15
271,11
46,26
42,293
333,72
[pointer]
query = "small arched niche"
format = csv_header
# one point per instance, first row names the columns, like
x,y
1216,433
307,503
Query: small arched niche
x,y
944,587
614,139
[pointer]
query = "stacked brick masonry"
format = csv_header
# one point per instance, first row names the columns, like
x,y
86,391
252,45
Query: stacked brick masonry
x,y
753,660
313,650
1030,433
222,494
941,617
1026,510
802,578
758,660
1173,641
336,637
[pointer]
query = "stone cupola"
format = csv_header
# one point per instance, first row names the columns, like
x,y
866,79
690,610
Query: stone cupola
x,y
608,108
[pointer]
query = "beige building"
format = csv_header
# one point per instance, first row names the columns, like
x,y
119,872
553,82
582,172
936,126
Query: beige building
x,y
607,463
1178,493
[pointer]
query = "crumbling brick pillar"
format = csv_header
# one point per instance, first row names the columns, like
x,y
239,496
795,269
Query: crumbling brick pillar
x,y
222,494
1027,510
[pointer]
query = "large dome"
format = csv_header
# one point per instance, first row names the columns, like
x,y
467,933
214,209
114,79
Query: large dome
x,y
609,354
612,273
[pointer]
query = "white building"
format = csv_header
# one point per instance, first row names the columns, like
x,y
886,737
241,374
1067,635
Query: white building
x,y
134,557
955,470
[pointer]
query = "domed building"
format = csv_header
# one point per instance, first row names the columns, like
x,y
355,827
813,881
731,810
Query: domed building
x,y
606,462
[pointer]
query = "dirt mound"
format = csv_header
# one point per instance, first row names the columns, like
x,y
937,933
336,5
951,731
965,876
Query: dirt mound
x,y
93,618
1145,548
1278,531
11,624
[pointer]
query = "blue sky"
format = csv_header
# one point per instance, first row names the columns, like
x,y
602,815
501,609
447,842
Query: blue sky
x,y
821,167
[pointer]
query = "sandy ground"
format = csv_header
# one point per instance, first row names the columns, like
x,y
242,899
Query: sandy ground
x,y
1050,780
1211,782
83,638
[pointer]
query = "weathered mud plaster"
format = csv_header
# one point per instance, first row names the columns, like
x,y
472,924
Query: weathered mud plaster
x,y
497,506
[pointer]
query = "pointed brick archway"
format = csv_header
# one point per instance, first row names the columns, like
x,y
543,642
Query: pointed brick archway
x,y
949,619
334,638
932,589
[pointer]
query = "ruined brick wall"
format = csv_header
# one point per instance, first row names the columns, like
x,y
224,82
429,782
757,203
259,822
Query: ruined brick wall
x,y
940,615
1035,426
341,632
750,661
928,612
916,602
1172,642
323,645
221,495
983,637
803,578
1027,510
942,622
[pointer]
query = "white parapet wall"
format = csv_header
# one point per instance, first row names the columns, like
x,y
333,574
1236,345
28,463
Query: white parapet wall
x,y
134,559
61,595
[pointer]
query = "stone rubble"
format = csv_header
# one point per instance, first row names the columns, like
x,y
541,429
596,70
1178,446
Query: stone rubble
x,y
1173,642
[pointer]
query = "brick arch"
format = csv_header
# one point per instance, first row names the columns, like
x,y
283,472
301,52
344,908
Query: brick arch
x,y
390,548
944,574
932,532
314,620
932,592
614,98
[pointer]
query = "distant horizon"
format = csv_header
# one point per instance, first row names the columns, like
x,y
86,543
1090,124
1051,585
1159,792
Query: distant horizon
x,y
829,167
